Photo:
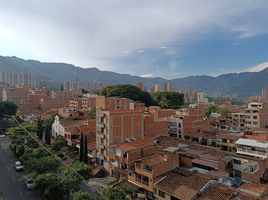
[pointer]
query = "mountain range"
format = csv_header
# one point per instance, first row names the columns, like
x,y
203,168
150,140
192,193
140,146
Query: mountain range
x,y
239,85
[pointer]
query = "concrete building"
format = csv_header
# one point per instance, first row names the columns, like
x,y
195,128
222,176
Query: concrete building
x,y
140,85
79,85
239,121
175,127
157,88
252,148
19,79
167,87
200,97
256,116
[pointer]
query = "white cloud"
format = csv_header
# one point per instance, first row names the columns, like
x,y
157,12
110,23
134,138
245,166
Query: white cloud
x,y
147,76
258,68
92,33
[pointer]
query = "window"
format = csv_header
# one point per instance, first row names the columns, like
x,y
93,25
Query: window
x,y
161,194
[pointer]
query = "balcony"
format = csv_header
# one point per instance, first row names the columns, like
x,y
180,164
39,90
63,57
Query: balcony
x,y
248,152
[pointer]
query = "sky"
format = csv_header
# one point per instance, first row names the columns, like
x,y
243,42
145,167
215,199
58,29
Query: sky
x,y
148,38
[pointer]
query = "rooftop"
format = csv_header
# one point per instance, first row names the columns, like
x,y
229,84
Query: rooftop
x,y
252,143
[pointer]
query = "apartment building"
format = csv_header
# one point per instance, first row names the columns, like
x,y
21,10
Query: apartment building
x,y
256,115
122,156
117,126
193,120
167,86
239,121
83,103
157,88
159,112
117,103
19,79
175,127
140,85
252,148
148,169
154,126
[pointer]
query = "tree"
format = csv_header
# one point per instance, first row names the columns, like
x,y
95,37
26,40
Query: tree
x,y
116,193
86,196
48,134
59,143
83,169
212,109
81,149
41,165
40,128
130,92
85,158
50,187
35,153
171,100
7,108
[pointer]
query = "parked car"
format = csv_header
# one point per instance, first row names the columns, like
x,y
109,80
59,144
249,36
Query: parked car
x,y
29,183
19,166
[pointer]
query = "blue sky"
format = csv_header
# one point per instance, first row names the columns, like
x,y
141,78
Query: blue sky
x,y
144,38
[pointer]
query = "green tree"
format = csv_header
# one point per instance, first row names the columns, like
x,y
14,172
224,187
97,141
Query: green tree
x,y
35,154
7,108
116,193
86,196
50,187
212,109
41,165
48,134
81,149
83,169
59,143
40,128
171,100
130,92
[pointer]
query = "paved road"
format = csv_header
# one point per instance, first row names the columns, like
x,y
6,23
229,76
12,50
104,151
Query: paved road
x,y
12,185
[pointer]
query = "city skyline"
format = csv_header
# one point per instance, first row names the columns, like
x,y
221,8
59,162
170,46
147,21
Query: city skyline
x,y
144,39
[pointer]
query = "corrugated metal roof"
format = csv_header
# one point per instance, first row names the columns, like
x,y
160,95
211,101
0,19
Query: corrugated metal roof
x,y
252,143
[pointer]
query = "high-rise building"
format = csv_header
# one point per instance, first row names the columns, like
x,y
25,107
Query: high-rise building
x,y
200,97
167,86
21,79
156,87
140,85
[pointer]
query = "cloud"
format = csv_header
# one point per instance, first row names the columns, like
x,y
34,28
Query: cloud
x,y
258,68
97,32
147,76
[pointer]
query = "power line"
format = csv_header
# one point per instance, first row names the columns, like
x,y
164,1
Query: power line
x,y
50,152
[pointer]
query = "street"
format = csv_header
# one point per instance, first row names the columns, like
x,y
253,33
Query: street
x,y
12,186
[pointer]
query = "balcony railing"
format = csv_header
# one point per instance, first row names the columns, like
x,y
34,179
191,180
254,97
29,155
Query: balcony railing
x,y
258,153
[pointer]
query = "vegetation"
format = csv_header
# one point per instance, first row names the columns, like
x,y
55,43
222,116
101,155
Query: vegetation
x,y
86,196
116,193
128,91
172,100
50,180
40,128
83,149
59,143
7,108
216,109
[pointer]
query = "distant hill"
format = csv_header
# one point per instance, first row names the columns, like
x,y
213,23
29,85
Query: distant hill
x,y
233,84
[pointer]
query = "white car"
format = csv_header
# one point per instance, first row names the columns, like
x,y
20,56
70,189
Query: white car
x,y
29,184
18,166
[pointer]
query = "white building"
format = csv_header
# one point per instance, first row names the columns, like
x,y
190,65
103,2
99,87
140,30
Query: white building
x,y
57,128
252,148
175,127
200,97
